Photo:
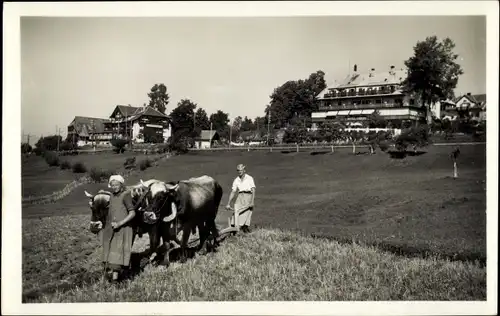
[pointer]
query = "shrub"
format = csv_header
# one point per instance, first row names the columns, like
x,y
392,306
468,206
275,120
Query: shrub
x,y
26,148
144,164
67,146
79,167
416,137
129,163
178,145
99,175
38,151
384,145
119,145
52,158
163,148
65,165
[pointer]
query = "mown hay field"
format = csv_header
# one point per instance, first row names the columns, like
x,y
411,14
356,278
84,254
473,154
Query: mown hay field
x,y
410,206
265,265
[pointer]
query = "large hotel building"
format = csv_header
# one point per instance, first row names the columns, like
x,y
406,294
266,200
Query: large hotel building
x,y
360,94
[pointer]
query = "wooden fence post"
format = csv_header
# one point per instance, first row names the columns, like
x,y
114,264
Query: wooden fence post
x,y
297,147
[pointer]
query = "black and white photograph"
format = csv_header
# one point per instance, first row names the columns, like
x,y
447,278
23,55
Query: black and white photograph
x,y
274,156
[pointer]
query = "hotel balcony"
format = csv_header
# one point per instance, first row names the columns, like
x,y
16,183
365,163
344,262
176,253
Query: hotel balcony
x,y
331,95
363,106
361,114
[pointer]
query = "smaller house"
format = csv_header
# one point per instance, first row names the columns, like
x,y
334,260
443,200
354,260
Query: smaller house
x,y
206,139
473,105
440,108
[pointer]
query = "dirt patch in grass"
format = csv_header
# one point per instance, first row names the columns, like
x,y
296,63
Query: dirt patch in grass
x,y
264,265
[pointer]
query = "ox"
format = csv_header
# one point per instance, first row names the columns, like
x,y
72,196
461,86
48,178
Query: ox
x,y
193,203
99,204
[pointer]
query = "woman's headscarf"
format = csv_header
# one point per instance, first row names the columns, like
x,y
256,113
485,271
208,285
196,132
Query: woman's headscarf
x,y
116,177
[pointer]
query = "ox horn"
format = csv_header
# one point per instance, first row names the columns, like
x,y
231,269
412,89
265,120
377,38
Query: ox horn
x,y
143,184
174,213
88,194
173,188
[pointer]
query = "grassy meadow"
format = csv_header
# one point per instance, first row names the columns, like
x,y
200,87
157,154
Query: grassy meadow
x,y
38,178
410,206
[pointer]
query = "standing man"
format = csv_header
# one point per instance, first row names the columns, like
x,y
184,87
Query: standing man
x,y
244,187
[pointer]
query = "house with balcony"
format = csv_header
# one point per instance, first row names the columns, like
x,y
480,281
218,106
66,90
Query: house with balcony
x,y
473,106
361,94
85,130
139,124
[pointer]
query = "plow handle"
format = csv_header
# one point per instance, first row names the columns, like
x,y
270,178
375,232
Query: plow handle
x,y
235,215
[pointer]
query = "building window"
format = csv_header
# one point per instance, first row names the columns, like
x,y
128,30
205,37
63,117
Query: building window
x,y
378,101
412,101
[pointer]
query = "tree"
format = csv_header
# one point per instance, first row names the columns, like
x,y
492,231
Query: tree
x,y
182,118
220,122
247,125
238,121
260,124
158,97
236,127
432,72
375,120
48,142
378,139
295,99
201,121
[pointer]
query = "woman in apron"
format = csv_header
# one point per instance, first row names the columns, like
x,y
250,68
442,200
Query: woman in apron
x,y
244,188
117,236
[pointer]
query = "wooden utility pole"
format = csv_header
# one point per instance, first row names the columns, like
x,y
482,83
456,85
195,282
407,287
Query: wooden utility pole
x,y
210,135
230,133
268,122
57,135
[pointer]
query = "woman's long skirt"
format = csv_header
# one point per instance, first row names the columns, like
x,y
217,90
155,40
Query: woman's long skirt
x,y
244,217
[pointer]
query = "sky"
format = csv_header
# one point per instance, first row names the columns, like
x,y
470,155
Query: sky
x,y
86,66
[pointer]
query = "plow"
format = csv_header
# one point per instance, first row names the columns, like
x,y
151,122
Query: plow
x,y
230,230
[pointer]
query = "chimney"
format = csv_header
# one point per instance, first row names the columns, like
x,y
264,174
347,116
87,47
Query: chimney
x,y
468,93
355,68
372,71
